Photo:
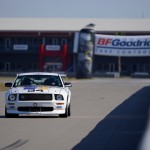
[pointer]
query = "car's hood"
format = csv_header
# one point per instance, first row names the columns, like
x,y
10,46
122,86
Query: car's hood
x,y
38,89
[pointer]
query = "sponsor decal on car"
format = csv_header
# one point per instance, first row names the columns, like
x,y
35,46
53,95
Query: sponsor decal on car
x,y
30,87
35,88
59,107
41,88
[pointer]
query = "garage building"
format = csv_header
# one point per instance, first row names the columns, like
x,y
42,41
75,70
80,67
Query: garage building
x,y
30,44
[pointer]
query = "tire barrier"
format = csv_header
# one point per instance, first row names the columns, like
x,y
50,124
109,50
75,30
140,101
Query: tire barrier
x,y
85,53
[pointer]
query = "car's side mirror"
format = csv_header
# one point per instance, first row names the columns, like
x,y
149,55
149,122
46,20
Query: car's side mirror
x,y
67,84
9,84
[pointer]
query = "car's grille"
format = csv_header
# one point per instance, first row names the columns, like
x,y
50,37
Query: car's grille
x,y
35,109
35,97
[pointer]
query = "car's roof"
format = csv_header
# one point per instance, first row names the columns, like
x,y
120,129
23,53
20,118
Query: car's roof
x,y
39,73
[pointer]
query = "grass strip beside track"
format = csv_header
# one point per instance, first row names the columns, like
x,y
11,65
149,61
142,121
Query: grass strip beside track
x,y
2,87
2,82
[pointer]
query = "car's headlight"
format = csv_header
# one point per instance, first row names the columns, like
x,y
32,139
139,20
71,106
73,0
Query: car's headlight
x,y
59,97
12,97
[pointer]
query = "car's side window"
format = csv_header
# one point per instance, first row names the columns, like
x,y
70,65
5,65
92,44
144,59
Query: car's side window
x,y
64,79
17,82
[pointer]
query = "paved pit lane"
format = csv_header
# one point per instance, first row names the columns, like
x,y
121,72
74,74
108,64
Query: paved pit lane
x,y
107,114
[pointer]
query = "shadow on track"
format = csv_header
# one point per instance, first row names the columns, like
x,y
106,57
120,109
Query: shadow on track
x,y
123,128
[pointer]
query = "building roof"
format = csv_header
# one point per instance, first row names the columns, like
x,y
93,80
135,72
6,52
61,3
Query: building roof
x,y
66,24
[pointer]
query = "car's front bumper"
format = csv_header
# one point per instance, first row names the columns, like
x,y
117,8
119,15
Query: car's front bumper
x,y
36,107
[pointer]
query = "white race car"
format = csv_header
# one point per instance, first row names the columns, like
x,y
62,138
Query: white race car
x,y
38,93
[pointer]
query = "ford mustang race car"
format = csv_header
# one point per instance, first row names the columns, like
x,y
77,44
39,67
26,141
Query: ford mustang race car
x,y
38,93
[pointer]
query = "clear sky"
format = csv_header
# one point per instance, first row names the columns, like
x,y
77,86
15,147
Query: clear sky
x,y
75,8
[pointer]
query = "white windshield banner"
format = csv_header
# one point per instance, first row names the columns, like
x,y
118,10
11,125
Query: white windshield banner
x,y
109,45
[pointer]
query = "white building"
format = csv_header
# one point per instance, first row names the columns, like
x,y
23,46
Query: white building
x,y
21,39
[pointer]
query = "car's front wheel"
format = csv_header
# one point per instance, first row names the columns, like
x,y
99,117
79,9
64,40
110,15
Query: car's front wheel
x,y
7,115
69,110
67,113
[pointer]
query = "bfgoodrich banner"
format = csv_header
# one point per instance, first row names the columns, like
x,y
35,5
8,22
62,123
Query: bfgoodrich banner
x,y
122,45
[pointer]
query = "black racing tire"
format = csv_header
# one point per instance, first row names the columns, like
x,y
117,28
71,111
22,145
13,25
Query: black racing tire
x,y
69,110
65,115
7,115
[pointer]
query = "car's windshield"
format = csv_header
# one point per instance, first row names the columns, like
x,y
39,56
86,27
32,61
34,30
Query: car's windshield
x,y
47,80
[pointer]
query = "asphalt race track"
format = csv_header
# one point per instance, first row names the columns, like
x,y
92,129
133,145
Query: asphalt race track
x,y
107,114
